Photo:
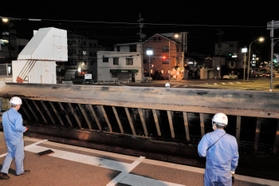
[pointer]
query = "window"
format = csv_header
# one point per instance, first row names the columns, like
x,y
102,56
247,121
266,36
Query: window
x,y
114,75
115,61
165,49
133,48
105,59
129,61
231,45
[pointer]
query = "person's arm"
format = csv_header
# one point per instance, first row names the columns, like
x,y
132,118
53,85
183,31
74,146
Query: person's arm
x,y
202,147
19,124
235,157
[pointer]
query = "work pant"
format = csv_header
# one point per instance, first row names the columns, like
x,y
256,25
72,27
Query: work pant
x,y
212,178
14,152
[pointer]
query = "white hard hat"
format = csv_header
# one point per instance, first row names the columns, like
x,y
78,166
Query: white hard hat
x,y
167,85
16,100
220,119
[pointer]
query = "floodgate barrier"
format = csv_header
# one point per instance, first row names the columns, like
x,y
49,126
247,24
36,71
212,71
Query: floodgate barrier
x,y
151,119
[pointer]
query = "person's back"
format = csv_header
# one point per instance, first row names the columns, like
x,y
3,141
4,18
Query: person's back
x,y
12,126
221,152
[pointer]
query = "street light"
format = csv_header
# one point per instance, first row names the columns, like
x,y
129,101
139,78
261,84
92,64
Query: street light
x,y
149,52
244,51
261,39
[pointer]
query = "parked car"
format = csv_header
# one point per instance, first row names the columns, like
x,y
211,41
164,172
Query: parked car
x,y
230,76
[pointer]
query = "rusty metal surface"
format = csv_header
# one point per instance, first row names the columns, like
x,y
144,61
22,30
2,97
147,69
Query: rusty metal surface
x,y
235,102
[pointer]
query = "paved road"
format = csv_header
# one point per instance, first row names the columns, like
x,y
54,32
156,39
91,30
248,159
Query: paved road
x,y
258,84
71,165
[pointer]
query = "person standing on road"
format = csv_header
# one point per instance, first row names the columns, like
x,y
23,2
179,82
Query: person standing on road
x,y
221,152
13,133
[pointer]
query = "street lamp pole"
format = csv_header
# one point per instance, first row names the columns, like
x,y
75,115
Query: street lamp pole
x,y
244,51
261,39
149,52
169,60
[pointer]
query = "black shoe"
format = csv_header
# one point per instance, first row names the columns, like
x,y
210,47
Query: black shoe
x,y
4,176
25,171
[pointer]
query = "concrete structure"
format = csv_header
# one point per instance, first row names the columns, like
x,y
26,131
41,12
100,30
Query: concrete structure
x,y
37,61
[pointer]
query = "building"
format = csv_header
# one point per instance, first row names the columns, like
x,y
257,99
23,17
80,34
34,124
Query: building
x,y
166,60
227,59
82,56
122,64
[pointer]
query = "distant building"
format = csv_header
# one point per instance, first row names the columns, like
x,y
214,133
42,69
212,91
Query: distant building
x,y
123,64
167,58
82,55
11,46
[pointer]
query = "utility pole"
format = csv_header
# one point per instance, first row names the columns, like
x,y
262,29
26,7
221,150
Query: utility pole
x,y
141,35
271,26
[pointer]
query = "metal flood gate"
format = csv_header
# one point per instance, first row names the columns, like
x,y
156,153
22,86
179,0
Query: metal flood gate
x,y
151,119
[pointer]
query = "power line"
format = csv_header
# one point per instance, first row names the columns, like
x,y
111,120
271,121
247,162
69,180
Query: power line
x,y
129,23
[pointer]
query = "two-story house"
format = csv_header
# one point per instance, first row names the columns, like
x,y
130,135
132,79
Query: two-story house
x,y
166,59
122,64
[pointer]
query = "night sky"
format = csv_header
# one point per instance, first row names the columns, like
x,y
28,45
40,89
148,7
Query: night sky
x,y
116,21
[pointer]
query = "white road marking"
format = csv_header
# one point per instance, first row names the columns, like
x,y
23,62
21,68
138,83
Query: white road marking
x,y
136,180
125,168
129,179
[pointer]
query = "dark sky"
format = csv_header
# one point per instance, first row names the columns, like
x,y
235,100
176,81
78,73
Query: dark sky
x,y
116,21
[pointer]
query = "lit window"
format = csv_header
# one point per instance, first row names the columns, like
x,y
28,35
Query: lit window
x,y
162,71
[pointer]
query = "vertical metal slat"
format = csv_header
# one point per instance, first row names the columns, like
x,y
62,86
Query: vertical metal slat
x,y
75,115
56,113
40,111
48,113
118,120
67,117
186,125
25,111
143,122
130,121
106,118
171,124
276,141
95,117
202,124
156,122
257,134
85,116
238,127
32,111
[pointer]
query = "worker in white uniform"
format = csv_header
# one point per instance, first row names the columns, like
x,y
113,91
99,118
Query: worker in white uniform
x,y
221,152
13,133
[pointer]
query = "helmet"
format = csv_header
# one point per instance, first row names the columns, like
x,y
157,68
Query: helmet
x,y
220,119
16,101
